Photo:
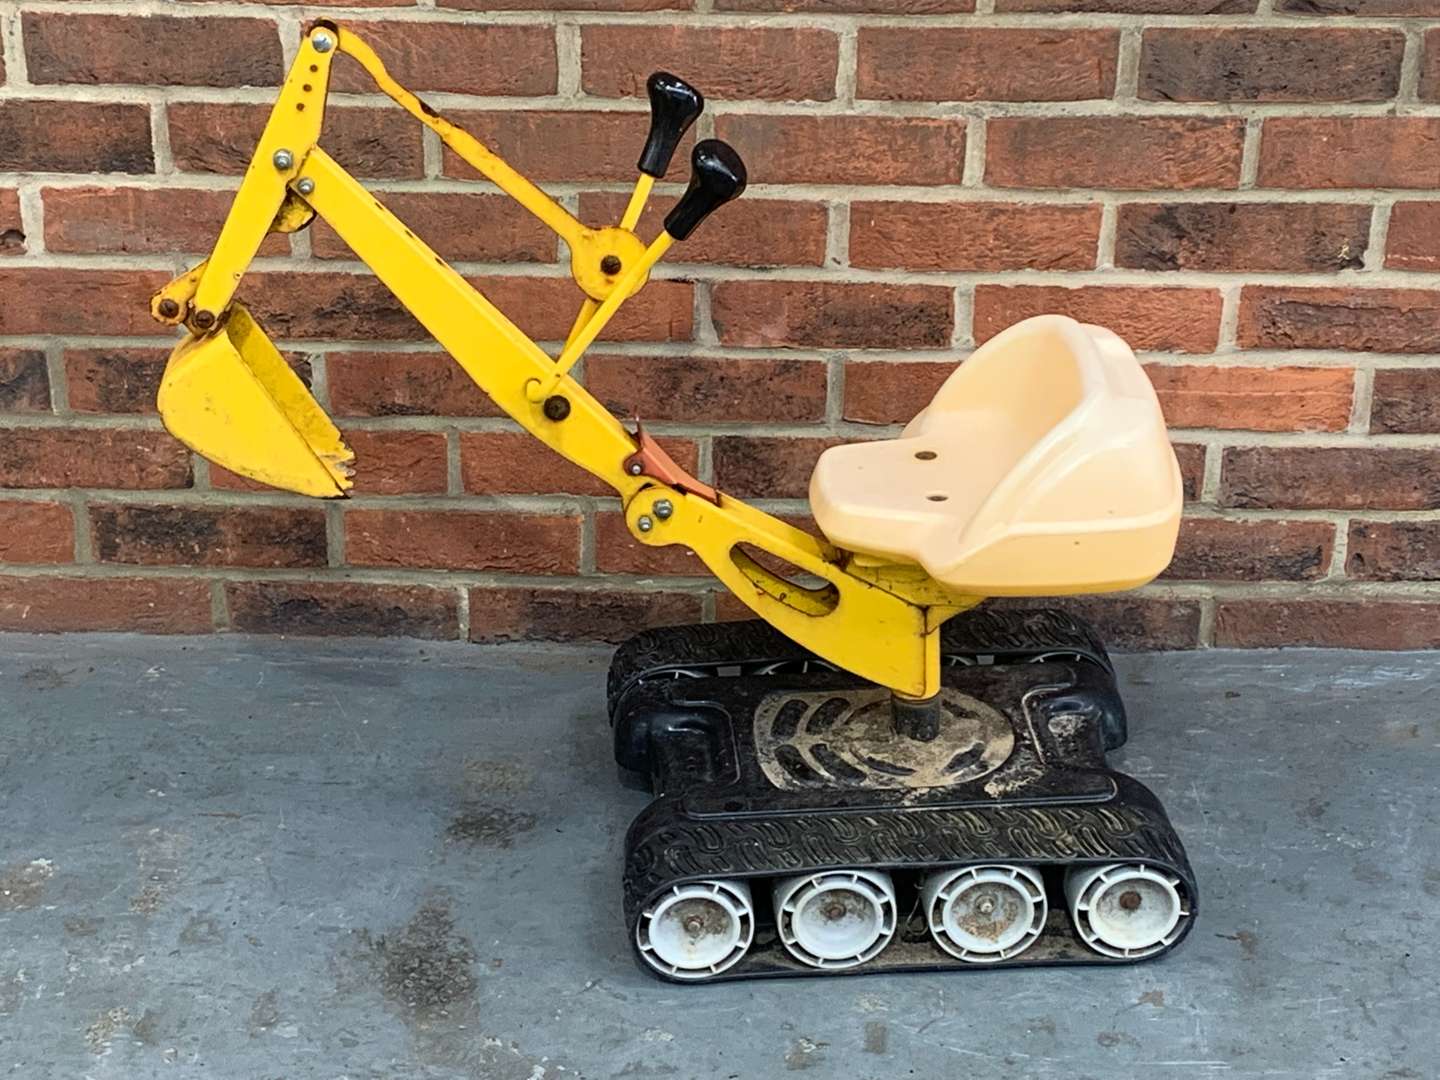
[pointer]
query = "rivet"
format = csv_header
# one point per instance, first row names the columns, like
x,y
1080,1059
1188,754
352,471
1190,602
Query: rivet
x,y
306,186
283,159
645,524
636,468
664,508
556,408
322,41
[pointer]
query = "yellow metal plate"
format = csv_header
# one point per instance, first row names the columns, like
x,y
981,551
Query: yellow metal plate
x,y
232,398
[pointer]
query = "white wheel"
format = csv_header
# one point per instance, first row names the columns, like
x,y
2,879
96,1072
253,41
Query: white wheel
x,y
1125,911
698,930
985,914
836,918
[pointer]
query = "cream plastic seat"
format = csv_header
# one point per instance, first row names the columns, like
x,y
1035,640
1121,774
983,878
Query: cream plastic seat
x,y
1041,466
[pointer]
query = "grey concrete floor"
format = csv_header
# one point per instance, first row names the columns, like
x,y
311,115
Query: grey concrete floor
x,y
231,857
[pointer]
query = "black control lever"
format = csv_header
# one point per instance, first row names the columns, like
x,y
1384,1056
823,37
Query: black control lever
x,y
674,106
717,176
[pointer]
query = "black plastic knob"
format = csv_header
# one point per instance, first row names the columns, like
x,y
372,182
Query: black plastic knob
x,y
717,175
674,106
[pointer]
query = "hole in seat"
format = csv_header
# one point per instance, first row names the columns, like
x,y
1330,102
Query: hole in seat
x,y
937,497
925,455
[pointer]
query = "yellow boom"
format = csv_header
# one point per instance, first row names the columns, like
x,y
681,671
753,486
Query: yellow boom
x,y
228,394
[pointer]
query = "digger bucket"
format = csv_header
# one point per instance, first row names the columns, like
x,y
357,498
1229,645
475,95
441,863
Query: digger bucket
x,y
231,398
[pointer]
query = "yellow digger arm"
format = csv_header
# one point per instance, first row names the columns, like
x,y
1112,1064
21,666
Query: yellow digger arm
x,y
228,394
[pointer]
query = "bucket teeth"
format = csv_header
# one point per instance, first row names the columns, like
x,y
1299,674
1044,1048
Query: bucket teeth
x,y
233,399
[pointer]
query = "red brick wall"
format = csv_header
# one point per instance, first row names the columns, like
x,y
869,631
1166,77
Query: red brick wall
x,y
1247,190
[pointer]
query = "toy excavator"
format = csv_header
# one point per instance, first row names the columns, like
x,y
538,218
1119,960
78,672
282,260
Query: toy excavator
x,y
872,775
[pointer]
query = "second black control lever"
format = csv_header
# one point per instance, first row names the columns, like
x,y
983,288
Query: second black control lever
x,y
674,106
717,176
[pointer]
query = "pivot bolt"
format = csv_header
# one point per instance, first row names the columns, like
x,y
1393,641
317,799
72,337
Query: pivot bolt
x,y
204,319
556,407
611,265
985,905
1130,900
306,186
636,468
322,41
169,309
664,508
283,159
645,524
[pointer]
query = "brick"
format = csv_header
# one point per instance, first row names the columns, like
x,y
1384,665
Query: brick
x,y
1254,399
387,462
1129,623
1298,237
325,306
1413,240
1429,88
1221,549
1148,318
1368,8
767,467
295,305
1133,7
1394,551
342,609
136,605
398,462
455,57
973,236
832,314
1119,153
1349,152
379,144
151,50
846,7
56,457
36,532
885,392
1371,320
114,380
985,64
517,463
1203,64
617,552
463,540
75,137
24,381
750,232
12,229
460,226
267,536
1345,624
1330,478
545,308
403,384
572,615
567,5
551,144
137,221
37,300
780,63
1406,401
812,149
701,390
1191,457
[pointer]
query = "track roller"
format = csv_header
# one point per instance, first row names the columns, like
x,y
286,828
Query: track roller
x,y
985,914
698,929
835,918
1125,911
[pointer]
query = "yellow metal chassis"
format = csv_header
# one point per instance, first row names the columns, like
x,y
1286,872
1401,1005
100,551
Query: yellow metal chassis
x,y
879,621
